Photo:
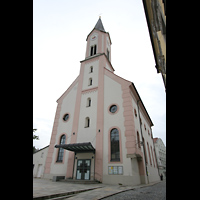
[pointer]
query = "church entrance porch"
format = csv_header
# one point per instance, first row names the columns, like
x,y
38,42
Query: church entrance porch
x,y
84,166
84,160
83,169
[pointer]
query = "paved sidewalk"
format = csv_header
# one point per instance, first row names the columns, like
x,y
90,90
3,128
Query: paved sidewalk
x,y
43,187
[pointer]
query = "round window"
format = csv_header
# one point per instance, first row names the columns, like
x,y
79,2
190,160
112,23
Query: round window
x,y
113,108
66,117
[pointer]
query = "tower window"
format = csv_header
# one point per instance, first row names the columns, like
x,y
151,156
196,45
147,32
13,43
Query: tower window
x,y
90,82
87,122
88,102
91,51
95,49
91,69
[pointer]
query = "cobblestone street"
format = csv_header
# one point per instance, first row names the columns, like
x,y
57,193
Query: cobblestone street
x,y
155,192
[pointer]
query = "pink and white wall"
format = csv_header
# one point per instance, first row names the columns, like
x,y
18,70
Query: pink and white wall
x,y
106,89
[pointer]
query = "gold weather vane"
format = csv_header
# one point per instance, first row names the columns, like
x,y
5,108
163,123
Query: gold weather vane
x,y
100,15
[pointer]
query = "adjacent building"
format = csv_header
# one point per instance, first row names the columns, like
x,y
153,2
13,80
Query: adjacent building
x,y
39,159
102,130
161,156
155,12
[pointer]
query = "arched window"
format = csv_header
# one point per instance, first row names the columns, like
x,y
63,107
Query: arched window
x,y
114,140
61,150
95,49
138,140
88,102
90,82
87,122
91,51
91,69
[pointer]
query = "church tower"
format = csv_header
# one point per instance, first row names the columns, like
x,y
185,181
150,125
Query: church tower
x,y
97,132
98,41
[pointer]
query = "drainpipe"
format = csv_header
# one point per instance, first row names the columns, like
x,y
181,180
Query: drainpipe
x,y
143,142
74,165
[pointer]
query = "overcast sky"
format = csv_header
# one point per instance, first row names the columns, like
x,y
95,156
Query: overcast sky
x,y
60,28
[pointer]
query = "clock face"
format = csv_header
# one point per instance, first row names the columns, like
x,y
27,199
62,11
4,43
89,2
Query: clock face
x,y
93,37
113,108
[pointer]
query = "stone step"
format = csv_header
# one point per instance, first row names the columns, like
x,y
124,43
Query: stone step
x,y
80,181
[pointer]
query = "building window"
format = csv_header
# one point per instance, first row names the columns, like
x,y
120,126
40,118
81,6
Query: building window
x,y
91,51
114,140
138,140
88,102
65,117
91,69
135,112
61,150
113,108
95,49
87,122
145,127
90,82
140,121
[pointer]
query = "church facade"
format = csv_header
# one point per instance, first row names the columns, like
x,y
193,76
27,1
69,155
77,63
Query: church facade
x,y
101,129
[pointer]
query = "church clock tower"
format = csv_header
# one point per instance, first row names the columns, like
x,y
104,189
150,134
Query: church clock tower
x,y
98,42
89,110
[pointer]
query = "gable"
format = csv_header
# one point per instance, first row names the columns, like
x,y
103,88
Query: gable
x,y
60,99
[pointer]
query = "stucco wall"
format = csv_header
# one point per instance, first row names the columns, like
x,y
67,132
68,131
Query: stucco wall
x,y
113,95
64,127
39,158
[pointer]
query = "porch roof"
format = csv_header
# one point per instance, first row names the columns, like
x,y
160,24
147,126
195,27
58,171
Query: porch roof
x,y
77,147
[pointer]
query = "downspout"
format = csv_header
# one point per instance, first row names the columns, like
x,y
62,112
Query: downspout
x,y
143,142
74,165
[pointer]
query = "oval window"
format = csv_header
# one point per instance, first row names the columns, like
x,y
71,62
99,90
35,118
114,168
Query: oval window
x,y
113,108
66,117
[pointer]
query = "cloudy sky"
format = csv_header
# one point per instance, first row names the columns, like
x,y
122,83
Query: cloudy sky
x,y
60,28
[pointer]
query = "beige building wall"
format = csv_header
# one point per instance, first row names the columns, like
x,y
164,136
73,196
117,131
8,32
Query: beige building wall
x,y
67,106
39,159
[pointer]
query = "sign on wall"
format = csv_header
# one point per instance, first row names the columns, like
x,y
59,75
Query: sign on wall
x,y
115,170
